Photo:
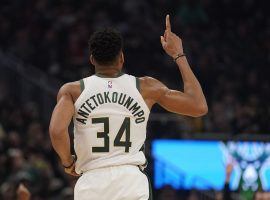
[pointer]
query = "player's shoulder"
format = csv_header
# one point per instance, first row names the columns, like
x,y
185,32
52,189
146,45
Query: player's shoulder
x,y
72,89
151,88
148,81
147,78
70,86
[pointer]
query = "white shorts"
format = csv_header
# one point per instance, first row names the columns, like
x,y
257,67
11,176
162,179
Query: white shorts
x,y
124,182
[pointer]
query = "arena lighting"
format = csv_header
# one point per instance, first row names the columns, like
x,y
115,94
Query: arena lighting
x,y
187,164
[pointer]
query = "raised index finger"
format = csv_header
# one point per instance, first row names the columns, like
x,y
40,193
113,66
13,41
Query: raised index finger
x,y
168,23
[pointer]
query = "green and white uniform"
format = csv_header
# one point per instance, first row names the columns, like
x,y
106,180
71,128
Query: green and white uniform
x,y
109,132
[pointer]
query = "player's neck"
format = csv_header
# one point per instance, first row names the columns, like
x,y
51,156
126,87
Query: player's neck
x,y
108,72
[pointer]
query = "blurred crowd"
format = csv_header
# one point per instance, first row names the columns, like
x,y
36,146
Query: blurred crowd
x,y
26,155
227,43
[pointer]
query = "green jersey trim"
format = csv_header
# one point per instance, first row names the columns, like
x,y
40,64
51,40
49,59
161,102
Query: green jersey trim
x,y
138,84
104,76
82,85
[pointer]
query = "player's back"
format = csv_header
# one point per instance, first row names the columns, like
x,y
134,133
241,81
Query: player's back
x,y
109,123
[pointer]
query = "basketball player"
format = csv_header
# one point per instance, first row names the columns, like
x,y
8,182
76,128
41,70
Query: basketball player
x,y
110,111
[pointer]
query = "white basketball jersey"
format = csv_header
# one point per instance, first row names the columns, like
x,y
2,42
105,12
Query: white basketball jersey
x,y
109,123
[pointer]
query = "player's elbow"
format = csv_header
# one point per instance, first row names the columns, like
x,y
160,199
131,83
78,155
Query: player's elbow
x,y
55,130
201,110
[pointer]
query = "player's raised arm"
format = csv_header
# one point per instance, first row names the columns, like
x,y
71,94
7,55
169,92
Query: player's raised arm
x,y
191,102
60,120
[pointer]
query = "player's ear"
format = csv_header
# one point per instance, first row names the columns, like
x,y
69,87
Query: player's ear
x,y
122,58
92,61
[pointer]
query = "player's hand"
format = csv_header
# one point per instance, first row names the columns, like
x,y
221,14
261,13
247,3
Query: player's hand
x,y
70,168
71,171
23,193
171,43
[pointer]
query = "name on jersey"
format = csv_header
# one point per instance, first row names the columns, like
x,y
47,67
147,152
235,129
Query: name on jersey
x,y
110,97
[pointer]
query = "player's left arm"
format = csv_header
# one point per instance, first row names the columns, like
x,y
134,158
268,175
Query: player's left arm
x,y
60,120
189,102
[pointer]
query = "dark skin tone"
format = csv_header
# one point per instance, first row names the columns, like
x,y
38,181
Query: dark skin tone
x,y
190,102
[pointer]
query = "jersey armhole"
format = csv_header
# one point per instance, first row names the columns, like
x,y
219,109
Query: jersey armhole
x,y
138,84
81,85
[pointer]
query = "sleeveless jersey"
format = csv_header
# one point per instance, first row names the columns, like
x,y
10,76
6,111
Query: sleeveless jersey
x,y
109,123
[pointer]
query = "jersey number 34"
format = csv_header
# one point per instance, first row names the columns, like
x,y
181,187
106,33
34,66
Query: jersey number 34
x,y
125,128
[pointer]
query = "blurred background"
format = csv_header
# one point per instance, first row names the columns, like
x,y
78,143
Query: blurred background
x,y
223,155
